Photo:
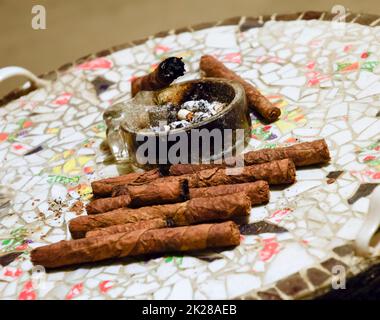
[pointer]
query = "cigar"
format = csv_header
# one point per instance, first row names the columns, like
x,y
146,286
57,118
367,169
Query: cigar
x,y
166,72
135,196
156,192
214,68
193,211
274,172
103,188
108,204
258,192
302,154
137,243
141,195
128,227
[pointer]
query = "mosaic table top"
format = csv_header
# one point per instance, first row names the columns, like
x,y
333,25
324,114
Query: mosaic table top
x,y
327,84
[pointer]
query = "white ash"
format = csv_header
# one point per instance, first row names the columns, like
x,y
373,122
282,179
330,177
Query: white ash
x,y
188,113
203,106
179,124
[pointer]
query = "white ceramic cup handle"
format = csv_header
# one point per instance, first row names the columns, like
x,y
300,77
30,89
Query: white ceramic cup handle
x,y
12,71
369,227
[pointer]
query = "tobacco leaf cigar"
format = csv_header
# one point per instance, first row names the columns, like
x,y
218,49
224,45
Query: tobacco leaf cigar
x,y
165,73
274,172
178,214
103,188
141,195
190,168
214,68
302,154
258,192
108,204
136,243
156,192
128,227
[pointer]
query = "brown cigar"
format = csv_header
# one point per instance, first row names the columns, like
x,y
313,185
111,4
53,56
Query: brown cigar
x,y
108,204
103,188
128,227
136,243
214,68
179,214
166,72
141,195
156,192
257,191
274,172
302,154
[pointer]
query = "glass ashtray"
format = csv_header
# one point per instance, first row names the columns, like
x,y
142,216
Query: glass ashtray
x,y
139,130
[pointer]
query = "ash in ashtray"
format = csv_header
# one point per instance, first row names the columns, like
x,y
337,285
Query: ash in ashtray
x,y
169,117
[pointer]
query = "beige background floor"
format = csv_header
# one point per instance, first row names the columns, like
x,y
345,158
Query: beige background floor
x,y
78,27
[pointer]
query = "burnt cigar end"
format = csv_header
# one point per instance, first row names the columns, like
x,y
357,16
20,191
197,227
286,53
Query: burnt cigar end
x,y
171,68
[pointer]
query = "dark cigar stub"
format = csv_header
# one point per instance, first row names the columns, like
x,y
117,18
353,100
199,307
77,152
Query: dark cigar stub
x,y
103,188
166,72
258,192
180,214
302,154
136,243
129,227
214,68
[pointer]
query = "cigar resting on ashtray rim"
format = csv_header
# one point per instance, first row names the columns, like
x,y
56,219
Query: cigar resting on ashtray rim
x,y
103,188
129,227
152,193
198,210
302,154
137,243
257,192
214,68
165,73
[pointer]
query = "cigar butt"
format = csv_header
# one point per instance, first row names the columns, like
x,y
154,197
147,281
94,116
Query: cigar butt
x,y
128,227
214,68
258,192
139,242
198,210
165,73
302,154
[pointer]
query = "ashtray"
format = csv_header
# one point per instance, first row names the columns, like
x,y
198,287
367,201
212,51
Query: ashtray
x,y
189,122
